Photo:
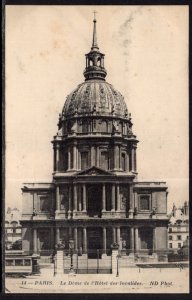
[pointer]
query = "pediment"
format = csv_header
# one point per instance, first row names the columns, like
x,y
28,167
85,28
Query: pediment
x,y
94,171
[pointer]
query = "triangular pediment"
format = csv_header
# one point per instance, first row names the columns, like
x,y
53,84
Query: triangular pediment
x,y
94,171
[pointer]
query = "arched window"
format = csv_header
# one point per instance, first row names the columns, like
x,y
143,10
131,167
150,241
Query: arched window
x,y
90,63
99,62
120,127
84,160
123,162
104,126
105,160
85,126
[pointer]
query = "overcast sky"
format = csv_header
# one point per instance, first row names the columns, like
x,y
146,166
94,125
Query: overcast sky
x,y
146,50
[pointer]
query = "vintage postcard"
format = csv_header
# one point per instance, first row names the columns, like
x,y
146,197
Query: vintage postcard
x,y
96,197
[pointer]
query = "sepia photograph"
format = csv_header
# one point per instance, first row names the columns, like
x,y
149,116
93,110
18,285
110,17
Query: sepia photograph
x,y
96,149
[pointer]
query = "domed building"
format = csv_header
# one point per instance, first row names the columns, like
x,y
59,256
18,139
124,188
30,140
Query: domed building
x,y
95,197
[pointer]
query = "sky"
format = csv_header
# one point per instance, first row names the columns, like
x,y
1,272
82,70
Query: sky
x,y
146,57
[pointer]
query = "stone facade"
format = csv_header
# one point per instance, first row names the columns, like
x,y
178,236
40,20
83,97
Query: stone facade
x,y
178,227
95,196
12,228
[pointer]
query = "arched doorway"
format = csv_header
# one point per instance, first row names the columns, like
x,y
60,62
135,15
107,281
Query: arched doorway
x,y
94,196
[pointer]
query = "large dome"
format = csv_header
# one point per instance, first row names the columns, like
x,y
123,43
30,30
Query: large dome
x,y
95,97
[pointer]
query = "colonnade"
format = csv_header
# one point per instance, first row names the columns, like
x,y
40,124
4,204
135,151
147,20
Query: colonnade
x,y
116,237
79,201
74,158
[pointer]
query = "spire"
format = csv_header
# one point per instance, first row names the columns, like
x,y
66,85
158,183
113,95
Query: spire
x,y
95,59
94,44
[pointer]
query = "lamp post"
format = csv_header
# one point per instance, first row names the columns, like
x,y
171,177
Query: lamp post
x,y
71,248
117,257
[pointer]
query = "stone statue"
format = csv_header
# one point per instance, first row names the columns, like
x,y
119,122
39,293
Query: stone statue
x,y
124,244
60,245
34,212
154,211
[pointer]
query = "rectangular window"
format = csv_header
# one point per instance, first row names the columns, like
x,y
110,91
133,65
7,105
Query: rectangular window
x,y
179,237
9,262
170,245
104,164
179,245
85,126
27,262
170,237
19,262
170,229
45,203
144,202
123,162
84,160
65,163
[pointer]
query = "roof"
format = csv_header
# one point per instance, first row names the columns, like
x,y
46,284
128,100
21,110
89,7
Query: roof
x,y
95,97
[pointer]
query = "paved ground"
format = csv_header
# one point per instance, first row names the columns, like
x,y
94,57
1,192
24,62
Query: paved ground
x,y
133,280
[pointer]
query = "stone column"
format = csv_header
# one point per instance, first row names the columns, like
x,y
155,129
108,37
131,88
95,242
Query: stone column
x,y
54,159
75,157
97,160
75,197
118,198
114,234
79,199
114,257
52,238
154,240
84,240
118,235
136,240
75,239
84,198
92,156
70,208
103,198
127,161
132,240
132,160
135,159
70,233
104,240
113,198
119,160
69,158
34,240
60,262
116,157
57,157
58,204
57,235
131,201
